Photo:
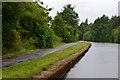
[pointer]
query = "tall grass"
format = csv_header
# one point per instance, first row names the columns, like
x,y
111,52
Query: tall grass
x,y
20,47
24,46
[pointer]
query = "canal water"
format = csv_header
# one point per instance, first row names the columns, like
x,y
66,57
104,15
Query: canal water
x,y
101,61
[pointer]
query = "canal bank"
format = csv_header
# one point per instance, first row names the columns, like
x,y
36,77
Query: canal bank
x,y
7,62
32,67
59,69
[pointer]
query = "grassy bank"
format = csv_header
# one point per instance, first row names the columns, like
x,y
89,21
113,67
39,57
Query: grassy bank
x,y
58,44
10,54
29,68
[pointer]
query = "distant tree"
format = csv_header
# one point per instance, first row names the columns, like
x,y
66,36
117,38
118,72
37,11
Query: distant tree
x,y
58,25
65,24
102,30
98,27
88,36
116,35
69,16
82,29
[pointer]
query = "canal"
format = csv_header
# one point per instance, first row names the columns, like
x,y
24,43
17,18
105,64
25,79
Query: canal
x,y
101,61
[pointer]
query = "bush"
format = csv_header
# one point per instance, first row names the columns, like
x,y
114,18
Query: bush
x,y
20,46
11,39
45,38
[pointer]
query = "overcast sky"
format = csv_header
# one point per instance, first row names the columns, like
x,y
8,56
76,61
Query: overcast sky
x,y
90,9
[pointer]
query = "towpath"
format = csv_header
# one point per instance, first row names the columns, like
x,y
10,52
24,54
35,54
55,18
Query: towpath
x,y
6,62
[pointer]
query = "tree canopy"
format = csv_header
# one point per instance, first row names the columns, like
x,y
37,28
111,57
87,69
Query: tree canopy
x,y
26,21
27,25
65,24
102,30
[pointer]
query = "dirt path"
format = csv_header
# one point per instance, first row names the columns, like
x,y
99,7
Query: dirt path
x,y
6,62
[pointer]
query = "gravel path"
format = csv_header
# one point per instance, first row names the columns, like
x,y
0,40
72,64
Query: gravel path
x,y
6,62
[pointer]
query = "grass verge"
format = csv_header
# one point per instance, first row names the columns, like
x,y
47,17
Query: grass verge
x,y
29,68
19,52
58,44
11,54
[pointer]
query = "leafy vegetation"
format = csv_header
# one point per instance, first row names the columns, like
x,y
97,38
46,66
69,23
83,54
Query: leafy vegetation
x,y
102,30
28,26
29,68
25,27
65,24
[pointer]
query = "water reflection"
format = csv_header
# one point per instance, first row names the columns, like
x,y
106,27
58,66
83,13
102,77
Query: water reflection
x,y
101,61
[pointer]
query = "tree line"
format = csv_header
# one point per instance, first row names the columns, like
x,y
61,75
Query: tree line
x,y
102,29
27,25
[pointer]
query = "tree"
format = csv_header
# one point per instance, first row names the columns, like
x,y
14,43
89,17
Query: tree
x,y
65,24
116,35
102,30
83,28
98,27
11,15
24,22
69,16
88,36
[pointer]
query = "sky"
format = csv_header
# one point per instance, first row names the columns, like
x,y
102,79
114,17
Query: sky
x,y
90,9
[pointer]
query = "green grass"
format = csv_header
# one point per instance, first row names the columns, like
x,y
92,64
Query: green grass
x,y
11,53
58,44
29,68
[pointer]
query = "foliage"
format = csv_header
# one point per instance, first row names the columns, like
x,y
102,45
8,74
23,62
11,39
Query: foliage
x,y
24,21
102,30
116,35
87,36
65,24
